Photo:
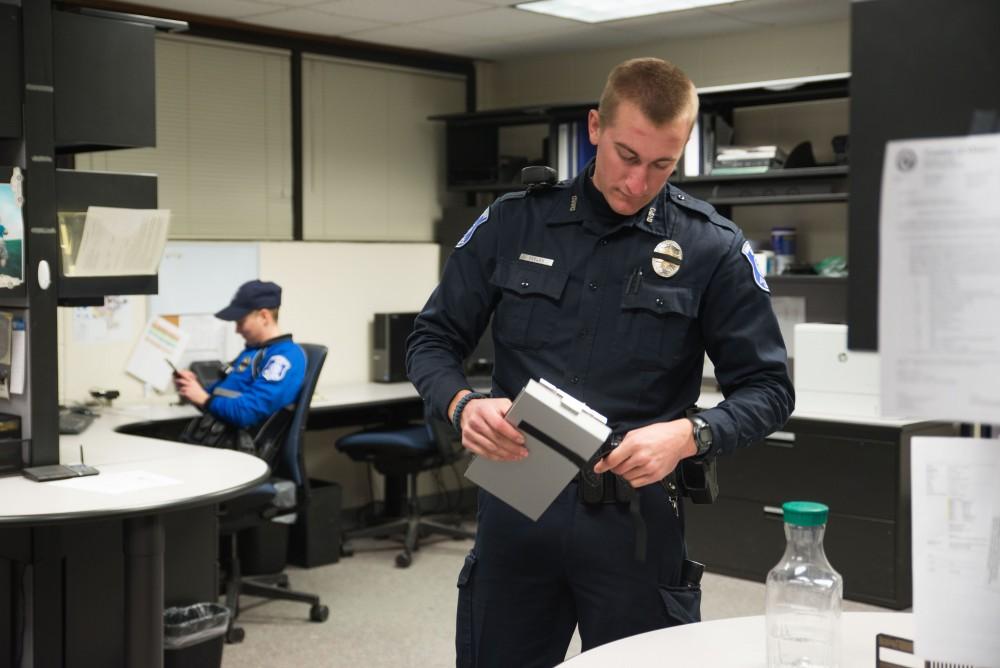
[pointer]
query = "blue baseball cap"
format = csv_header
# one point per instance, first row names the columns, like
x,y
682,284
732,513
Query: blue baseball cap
x,y
251,296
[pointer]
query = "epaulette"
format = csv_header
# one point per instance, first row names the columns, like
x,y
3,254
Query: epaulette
x,y
682,199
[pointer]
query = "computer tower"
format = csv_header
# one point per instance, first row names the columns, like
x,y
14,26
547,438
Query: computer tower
x,y
389,346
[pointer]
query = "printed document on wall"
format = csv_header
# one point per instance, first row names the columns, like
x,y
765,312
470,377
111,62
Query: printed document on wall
x,y
939,278
160,341
956,550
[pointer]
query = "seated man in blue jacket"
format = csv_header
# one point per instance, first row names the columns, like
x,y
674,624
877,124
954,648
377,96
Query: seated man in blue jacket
x,y
265,377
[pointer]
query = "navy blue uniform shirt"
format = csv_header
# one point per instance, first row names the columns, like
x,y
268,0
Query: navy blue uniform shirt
x,y
578,303
263,379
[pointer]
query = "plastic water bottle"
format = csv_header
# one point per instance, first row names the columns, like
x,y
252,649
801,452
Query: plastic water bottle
x,y
804,595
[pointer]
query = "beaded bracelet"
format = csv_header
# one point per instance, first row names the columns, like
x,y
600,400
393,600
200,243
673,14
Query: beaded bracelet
x,y
456,418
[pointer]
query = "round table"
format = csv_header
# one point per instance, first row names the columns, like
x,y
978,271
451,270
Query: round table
x,y
739,641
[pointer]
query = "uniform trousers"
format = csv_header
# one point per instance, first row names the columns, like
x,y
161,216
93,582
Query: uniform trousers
x,y
526,585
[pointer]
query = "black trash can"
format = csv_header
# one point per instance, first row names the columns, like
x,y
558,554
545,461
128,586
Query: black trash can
x,y
193,635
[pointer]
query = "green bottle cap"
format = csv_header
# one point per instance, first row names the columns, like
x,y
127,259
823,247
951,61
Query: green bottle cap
x,y
805,513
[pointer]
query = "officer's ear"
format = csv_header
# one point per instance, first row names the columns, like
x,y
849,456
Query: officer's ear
x,y
594,125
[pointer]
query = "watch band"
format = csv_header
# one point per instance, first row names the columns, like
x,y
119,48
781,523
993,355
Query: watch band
x,y
456,418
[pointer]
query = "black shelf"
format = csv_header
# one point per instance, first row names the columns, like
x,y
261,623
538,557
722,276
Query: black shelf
x,y
487,187
796,173
809,198
91,290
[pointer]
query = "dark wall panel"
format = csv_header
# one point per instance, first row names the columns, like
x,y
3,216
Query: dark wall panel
x,y
919,68
10,72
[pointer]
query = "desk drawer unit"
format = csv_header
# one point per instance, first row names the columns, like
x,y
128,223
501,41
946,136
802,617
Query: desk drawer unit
x,y
860,471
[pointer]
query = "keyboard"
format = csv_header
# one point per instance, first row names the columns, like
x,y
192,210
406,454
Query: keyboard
x,y
74,423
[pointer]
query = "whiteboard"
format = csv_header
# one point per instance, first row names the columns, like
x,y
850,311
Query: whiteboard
x,y
202,276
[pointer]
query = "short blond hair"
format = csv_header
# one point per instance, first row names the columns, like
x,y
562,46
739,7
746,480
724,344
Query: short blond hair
x,y
659,88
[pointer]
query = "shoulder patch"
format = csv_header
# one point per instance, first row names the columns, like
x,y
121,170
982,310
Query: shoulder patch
x,y
467,237
276,368
758,278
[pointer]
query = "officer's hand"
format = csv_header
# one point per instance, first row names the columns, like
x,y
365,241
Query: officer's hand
x,y
486,433
189,388
183,373
646,455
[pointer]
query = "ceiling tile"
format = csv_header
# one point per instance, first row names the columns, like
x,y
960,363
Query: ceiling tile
x,y
501,23
310,21
785,12
393,11
227,9
679,24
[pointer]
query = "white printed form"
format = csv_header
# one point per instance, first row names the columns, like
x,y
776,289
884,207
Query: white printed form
x,y
939,278
956,550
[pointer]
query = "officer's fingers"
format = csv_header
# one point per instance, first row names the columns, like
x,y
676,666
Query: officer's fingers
x,y
484,446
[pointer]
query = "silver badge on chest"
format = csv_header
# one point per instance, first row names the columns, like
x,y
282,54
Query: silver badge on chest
x,y
667,258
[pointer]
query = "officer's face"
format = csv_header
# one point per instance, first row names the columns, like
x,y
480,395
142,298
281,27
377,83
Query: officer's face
x,y
251,327
634,156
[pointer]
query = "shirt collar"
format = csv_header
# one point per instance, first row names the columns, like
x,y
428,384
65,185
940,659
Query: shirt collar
x,y
572,206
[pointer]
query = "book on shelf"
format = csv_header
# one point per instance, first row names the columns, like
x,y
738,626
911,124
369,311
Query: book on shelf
x,y
734,153
750,169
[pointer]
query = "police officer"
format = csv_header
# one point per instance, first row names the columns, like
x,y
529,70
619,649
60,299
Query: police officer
x,y
266,376
612,286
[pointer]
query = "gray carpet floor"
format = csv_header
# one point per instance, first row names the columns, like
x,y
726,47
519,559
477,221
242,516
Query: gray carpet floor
x,y
383,616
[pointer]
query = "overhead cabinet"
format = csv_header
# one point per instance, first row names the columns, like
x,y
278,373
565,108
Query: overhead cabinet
x,y
104,74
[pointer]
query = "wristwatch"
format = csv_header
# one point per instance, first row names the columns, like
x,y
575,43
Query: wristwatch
x,y
702,435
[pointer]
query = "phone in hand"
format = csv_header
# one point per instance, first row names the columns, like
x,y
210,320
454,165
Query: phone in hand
x,y
177,373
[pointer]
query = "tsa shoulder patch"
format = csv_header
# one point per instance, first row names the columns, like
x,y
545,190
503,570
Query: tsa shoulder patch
x,y
483,217
758,278
276,368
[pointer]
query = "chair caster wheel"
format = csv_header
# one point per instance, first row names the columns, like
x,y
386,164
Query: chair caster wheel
x,y
235,635
403,560
318,613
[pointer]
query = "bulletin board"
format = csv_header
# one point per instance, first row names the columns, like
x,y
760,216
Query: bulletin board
x,y
201,277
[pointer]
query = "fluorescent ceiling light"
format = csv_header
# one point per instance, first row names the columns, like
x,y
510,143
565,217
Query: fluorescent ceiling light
x,y
597,11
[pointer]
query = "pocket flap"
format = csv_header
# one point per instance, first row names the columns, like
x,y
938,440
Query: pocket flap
x,y
525,278
660,299
683,604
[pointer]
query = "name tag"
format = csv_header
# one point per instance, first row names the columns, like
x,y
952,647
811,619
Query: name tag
x,y
536,259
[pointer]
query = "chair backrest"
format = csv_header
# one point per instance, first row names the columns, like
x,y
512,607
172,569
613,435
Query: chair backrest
x,y
290,462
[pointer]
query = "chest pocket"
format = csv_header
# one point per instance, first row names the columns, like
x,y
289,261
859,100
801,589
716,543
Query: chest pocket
x,y
657,322
529,306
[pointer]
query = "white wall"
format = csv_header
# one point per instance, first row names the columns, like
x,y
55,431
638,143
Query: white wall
x,y
756,55
330,293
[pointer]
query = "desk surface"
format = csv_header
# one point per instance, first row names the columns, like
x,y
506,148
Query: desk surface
x,y
739,641
138,475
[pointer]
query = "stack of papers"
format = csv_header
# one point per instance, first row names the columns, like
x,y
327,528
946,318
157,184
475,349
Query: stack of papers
x,y
559,432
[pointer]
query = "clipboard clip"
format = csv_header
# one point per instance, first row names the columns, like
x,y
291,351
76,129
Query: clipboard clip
x,y
572,404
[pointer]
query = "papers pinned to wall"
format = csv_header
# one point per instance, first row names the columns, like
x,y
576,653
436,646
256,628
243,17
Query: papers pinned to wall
x,y
160,341
939,280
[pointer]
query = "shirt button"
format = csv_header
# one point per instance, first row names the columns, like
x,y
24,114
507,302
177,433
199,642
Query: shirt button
x,y
604,242
659,301
680,196
593,286
584,332
574,380
524,284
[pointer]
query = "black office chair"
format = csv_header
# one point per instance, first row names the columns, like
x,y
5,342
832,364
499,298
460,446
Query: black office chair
x,y
405,451
264,503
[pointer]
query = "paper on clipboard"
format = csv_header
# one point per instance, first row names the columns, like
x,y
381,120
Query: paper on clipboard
x,y
531,484
122,242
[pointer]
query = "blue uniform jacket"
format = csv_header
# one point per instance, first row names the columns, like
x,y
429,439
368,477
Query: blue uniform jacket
x,y
263,379
570,307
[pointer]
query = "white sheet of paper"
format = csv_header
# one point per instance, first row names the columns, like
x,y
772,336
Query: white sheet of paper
x,y
118,483
956,549
939,278
159,342
122,242
209,339
111,323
